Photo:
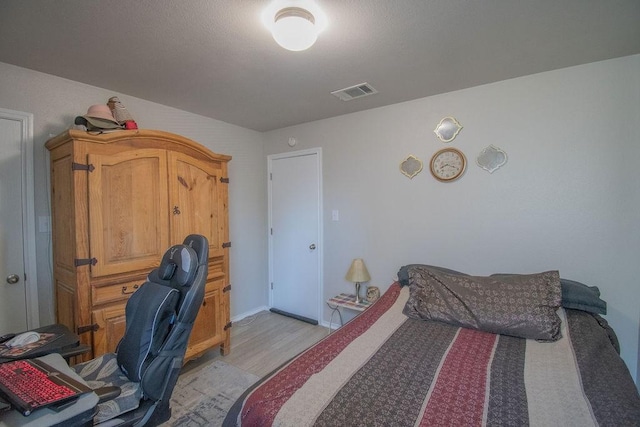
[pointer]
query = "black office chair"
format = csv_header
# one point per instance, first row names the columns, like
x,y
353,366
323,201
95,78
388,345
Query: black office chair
x,y
160,315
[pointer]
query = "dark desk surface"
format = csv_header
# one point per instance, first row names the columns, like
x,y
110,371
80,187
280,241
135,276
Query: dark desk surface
x,y
67,345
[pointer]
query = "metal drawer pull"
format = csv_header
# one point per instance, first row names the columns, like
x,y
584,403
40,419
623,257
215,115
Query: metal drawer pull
x,y
124,290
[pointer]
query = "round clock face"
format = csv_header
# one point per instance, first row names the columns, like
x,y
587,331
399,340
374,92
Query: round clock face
x,y
448,164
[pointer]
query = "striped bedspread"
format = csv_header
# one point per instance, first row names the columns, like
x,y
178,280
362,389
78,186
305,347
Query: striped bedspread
x,y
384,369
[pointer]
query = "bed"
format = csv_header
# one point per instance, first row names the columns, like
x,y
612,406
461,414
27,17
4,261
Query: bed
x,y
444,348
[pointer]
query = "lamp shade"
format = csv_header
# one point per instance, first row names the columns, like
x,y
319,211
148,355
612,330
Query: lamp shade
x,y
294,29
358,272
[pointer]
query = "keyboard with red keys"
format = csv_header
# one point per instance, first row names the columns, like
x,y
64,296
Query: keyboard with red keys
x,y
32,386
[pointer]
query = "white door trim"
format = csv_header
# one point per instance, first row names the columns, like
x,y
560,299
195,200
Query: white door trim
x,y
28,213
318,152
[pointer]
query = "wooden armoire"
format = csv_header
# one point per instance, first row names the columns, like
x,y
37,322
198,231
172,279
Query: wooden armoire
x,y
119,201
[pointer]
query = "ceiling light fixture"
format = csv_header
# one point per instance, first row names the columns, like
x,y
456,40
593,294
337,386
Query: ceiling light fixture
x,y
294,25
294,29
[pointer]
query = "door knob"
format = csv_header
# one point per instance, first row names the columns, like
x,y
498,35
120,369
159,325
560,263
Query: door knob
x,y
13,278
312,246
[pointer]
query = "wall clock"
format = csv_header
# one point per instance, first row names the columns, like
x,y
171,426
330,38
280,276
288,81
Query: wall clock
x,y
448,164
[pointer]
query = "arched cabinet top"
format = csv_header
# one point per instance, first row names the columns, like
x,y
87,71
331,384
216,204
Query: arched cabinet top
x,y
140,138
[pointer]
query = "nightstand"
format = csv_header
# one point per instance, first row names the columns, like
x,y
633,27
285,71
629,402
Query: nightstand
x,y
347,301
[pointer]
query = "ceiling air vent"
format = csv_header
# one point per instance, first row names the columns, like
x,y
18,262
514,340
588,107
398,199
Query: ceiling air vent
x,y
353,92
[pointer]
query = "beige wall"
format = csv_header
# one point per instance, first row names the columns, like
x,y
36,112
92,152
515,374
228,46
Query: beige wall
x,y
567,199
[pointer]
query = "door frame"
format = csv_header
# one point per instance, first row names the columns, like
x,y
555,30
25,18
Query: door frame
x,y
270,158
28,213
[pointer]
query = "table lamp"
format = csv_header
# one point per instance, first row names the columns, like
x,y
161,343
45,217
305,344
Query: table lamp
x,y
358,273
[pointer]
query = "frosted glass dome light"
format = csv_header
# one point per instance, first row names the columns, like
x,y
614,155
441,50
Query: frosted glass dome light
x,y
294,29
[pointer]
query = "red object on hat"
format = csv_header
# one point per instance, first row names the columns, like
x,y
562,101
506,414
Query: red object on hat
x,y
130,124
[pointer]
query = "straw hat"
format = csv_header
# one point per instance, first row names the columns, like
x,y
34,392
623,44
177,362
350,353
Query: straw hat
x,y
98,116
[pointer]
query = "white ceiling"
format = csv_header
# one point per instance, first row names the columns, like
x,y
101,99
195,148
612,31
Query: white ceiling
x,y
215,58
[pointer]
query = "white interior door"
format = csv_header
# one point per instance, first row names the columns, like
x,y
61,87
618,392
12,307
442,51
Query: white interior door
x,y
16,236
295,232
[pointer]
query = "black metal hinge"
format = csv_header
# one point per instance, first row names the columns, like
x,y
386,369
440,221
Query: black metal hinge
x,y
226,288
226,245
225,180
80,167
87,328
84,261
228,325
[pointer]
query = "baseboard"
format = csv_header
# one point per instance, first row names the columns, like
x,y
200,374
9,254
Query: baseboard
x,y
249,313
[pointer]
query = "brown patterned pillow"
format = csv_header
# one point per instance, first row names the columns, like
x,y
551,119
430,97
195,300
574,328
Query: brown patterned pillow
x,y
519,305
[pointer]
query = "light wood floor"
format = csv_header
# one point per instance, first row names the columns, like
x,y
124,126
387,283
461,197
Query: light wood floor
x,y
262,342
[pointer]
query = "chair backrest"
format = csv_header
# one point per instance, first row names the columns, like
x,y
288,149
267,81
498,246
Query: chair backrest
x,y
160,316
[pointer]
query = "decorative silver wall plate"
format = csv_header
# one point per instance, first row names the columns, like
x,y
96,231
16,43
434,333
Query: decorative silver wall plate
x,y
411,166
447,129
491,158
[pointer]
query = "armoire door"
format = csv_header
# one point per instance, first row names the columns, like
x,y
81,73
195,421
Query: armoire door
x,y
128,220
112,323
197,201
208,327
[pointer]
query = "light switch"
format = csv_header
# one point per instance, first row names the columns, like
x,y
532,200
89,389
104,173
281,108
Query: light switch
x,y
335,215
44,224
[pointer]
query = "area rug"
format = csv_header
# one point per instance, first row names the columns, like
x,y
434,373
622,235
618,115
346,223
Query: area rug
x,y
203,397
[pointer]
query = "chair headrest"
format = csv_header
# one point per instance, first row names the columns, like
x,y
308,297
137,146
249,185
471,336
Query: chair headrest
x,y
199,244
179,265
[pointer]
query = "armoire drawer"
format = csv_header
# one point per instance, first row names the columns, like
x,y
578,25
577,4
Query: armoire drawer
x,y
118,292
